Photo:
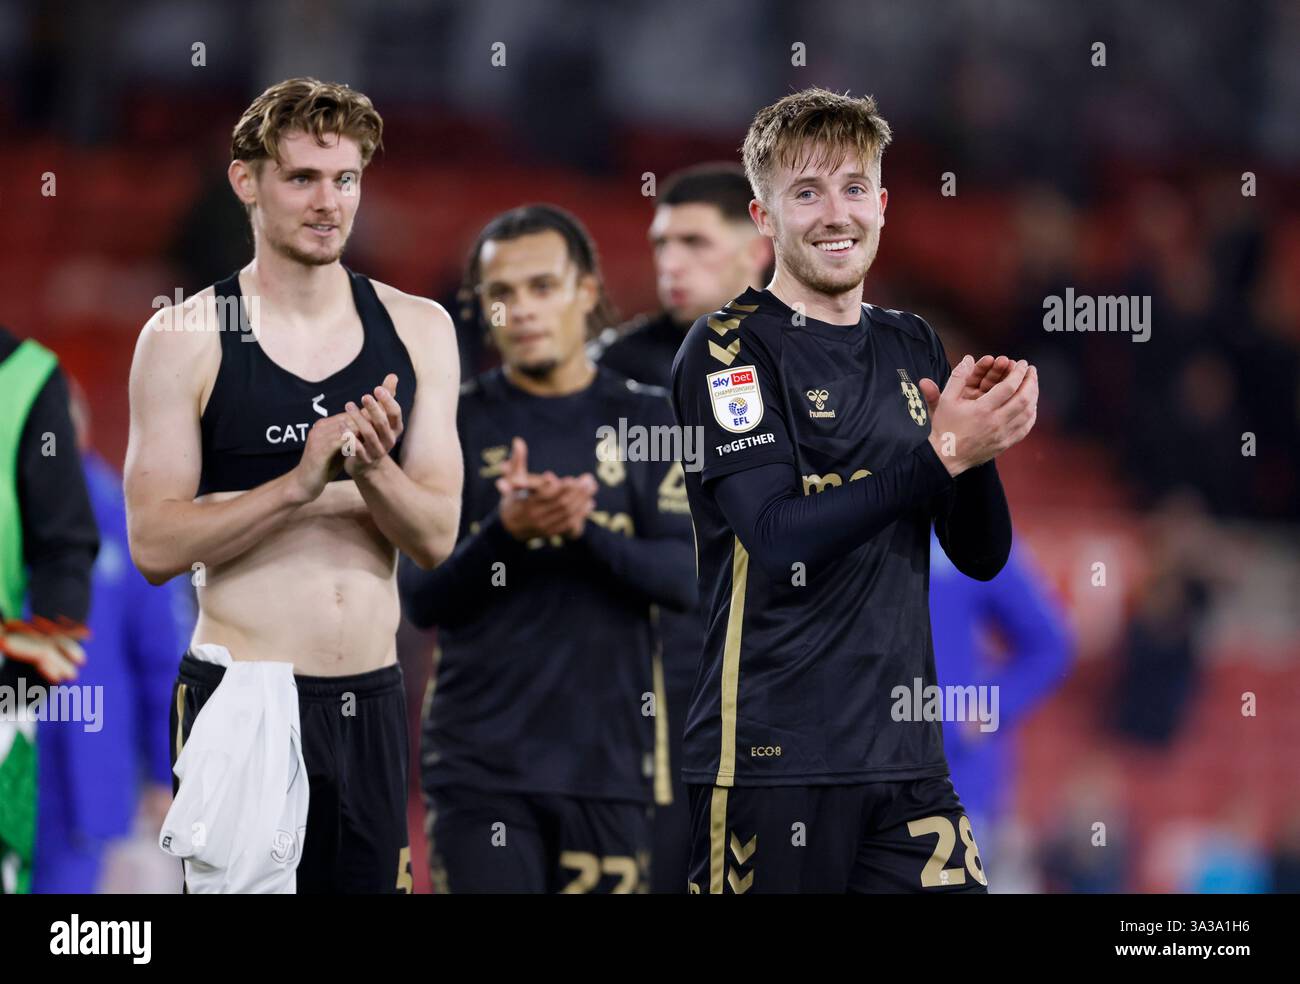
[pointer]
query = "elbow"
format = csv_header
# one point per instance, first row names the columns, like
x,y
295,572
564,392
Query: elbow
x,y
982,569
985,566
150,563
775,564
432,551
682,597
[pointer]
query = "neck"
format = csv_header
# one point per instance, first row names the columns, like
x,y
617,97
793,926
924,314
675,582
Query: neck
x,y
836,309
295,290
568,377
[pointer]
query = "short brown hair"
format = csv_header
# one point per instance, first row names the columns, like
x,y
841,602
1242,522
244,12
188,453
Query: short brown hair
x,y
814,127
317,108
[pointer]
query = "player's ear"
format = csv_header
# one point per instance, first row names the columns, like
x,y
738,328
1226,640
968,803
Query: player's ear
x,y
243,181
588,293
758,253
762,218
884,200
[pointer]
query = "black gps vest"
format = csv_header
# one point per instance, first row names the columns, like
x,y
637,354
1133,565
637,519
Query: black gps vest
x,y
257,418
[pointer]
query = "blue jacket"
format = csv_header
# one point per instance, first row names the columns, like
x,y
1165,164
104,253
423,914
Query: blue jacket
x,y
89,782
1018,606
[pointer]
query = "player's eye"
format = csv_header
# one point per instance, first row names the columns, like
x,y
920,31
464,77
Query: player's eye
x,y
806,191
347,181
858,188
299,178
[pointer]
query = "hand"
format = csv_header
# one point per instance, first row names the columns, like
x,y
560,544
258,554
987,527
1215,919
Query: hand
x,y
984,375
155,801
322,455
542,505
377,424
984,427
52,647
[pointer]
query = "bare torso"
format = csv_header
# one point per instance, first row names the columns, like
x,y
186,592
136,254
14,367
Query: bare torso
x,y
321,591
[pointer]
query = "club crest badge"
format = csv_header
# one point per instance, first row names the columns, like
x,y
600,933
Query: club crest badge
x,y
736,398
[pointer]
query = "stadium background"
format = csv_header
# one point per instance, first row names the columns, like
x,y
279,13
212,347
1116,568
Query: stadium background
x,y
1125,178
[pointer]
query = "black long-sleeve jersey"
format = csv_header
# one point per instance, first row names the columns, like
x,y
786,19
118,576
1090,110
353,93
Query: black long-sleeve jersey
x,y
545,680
812,516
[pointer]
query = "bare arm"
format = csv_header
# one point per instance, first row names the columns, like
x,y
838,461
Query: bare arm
x,y
417,505
167,530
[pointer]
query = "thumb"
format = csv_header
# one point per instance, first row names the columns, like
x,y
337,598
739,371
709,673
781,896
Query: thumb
x,y
957,379
930,390
518,456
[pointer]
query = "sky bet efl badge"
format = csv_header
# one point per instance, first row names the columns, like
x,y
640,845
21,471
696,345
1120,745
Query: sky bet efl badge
x,y
737,403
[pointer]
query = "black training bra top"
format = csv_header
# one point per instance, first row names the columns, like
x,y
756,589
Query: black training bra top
x,y
257,418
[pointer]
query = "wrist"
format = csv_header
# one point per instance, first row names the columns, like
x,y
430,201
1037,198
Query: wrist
x,y
297,488
952,464
375,472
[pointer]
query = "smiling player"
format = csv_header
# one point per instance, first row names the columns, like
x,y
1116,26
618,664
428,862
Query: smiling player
x,y
830,449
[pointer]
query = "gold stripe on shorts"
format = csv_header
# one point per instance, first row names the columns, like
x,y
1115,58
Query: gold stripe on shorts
x,y
717,840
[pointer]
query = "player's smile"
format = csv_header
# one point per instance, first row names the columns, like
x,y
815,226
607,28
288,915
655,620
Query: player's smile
x,y
836,247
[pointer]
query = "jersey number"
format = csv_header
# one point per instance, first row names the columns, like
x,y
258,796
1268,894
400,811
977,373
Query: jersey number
x,y
934,874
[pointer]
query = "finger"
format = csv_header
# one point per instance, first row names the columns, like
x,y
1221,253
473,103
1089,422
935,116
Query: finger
x,y
554,519
390,383
370,449
71,650
548,487
575,495
978,370
379,420
1006,388
1026,397
996,373
518,462
391,408
39,652
959,373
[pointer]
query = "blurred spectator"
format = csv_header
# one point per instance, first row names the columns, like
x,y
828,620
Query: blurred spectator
x,y
92,780
1229,857
48,543
1089,848
1285,875
1015,608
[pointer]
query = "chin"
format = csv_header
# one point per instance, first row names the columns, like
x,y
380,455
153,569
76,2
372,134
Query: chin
x,y
536,368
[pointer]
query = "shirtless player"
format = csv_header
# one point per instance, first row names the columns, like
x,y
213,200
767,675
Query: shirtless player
x,y
291,448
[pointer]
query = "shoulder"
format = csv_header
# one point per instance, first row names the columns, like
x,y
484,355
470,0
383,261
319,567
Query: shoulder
x,y
744,330
427,331
184,339
486,387
908,325
420,318
617,337
634,398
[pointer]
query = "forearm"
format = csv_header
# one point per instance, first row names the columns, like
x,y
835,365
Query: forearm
x,y
780,527
973,523
419,521
169,537
458,587
663,570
